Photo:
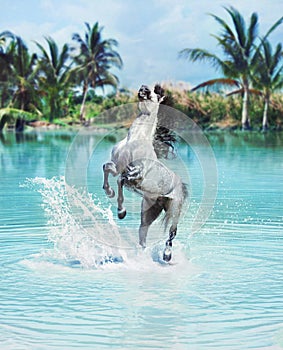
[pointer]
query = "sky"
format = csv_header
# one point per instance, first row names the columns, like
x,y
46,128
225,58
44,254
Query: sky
x,y
150,33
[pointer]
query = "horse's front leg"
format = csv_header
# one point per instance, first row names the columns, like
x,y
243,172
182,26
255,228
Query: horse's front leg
x,y
167,254
120,199
109,168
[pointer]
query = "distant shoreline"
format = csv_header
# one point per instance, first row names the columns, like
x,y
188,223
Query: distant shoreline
x,y
107,127
224,126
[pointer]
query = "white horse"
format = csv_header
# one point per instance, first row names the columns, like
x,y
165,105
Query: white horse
x,y
136,163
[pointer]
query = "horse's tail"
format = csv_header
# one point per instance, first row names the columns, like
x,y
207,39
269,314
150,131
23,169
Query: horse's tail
x,y
175,205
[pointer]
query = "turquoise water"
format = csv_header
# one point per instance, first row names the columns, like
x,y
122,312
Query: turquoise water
x,y
68,282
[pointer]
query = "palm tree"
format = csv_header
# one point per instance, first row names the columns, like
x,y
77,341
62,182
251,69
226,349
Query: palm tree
x,y
238,44
23,75
53,75
25,97
5,68
268,74
95,59
18,73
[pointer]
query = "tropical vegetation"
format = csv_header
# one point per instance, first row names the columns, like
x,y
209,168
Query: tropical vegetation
x,y
48,84
52,73
60,84
94,60
267,77
241,48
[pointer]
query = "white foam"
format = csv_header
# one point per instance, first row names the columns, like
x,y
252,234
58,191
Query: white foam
x,y
84,234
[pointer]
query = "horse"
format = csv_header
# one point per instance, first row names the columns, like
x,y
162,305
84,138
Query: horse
x,y
135,162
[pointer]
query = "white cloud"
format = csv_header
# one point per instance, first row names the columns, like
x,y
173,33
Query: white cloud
x,y
150,33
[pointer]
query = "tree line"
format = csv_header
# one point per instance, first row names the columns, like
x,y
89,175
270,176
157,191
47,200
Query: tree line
x,y
249,62
48,83
44,83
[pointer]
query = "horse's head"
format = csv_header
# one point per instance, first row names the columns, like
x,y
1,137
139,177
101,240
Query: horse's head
x,y
155,95
144,93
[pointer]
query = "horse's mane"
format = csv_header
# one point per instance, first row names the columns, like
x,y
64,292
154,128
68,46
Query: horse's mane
x,y
164,138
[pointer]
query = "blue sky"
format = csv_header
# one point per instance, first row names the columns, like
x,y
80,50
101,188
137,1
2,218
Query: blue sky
x,y
150,32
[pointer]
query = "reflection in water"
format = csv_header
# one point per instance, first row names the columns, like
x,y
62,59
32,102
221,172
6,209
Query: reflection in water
x,y
34,153
9,138
246,139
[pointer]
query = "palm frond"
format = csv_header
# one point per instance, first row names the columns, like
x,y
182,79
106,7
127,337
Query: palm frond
x,y
241,91
14,113
239,24
43,51
277,57
88,28
227,30
53,49
198,55
278,79
10,115
252,33
267,50
273,27
217,83
61,60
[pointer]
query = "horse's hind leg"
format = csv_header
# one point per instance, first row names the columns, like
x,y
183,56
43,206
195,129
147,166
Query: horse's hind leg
x,y
120,199
109,168
167,254
173,211
150,211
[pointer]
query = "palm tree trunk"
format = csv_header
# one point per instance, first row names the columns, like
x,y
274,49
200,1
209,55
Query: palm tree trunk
x,y
4,97
265,111
245,109
52,109
20,122
82,110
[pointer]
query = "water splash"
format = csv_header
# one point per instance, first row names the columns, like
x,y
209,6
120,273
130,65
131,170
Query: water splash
x,y
84,234
82,231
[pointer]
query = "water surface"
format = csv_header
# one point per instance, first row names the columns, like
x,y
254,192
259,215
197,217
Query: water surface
x,y
58,290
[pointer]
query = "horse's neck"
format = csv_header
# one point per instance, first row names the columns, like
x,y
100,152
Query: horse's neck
x,y
143,128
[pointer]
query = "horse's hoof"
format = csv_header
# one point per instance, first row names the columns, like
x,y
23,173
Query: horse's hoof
x,y
167,254
111,193
122,213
